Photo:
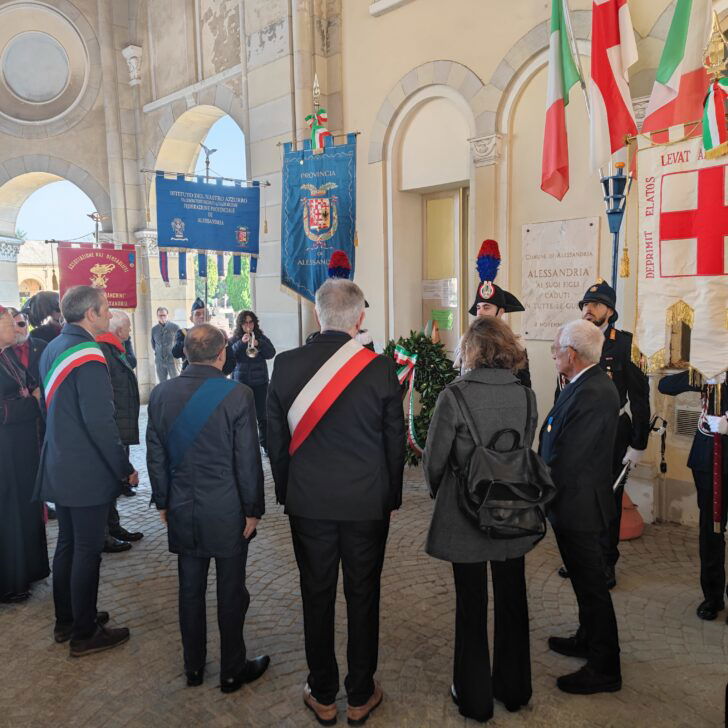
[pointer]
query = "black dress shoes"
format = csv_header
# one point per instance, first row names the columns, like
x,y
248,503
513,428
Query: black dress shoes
x,y
15,598
195,677
587,681
569,646
709,609
563,573
102,639
115,546
127,490
252,671
123,535
62,630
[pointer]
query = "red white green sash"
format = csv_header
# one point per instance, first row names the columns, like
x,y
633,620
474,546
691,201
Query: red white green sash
x,y
324,388
66,362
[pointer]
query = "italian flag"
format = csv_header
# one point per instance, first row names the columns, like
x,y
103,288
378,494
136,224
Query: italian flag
x,y
715,134
613,51
562,76
681,82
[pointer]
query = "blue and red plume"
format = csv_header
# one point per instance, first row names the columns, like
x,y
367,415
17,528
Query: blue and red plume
x,y
488,260
339,266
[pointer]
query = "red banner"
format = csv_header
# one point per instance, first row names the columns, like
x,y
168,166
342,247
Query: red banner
x,y
106,267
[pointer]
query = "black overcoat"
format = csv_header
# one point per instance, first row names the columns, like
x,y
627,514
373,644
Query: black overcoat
x,y
350,467
126,393
83,461
577,442
220,480
252,370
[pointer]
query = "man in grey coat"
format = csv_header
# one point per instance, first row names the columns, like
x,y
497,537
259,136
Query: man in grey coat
x,y
207,482
163,336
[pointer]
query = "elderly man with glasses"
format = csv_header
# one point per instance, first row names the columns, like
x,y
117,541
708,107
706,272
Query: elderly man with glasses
x,y
577,442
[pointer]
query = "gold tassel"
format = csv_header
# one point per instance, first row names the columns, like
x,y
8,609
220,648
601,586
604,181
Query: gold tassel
x,y
624,264
356,238
265,226
54,280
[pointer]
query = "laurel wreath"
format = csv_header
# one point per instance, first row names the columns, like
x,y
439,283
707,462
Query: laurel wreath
x,y
434,371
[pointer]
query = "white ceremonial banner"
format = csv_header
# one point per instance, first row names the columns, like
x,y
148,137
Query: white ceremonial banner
x,y
683,257
560,261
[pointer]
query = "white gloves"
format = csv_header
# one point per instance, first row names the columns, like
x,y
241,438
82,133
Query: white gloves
x,y
632,456
718,424
717,380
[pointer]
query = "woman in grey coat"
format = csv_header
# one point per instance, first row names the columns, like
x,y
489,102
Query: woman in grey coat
x,y
497,401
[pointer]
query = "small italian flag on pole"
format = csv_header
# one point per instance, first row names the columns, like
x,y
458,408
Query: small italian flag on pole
x,y
715,135
563,74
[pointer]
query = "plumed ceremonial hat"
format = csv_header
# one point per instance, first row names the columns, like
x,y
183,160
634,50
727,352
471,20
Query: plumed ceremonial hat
x,y
40,306
198,304
340,267
487,264
601,292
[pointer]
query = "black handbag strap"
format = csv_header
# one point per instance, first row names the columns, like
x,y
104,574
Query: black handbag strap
x,y
468,417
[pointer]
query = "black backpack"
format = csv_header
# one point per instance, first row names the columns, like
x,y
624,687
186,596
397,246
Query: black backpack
x,y
504,492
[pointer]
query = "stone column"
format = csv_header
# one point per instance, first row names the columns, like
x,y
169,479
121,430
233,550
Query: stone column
x,y
9,248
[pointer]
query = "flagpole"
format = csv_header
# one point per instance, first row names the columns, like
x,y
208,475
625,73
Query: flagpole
x,y
577,55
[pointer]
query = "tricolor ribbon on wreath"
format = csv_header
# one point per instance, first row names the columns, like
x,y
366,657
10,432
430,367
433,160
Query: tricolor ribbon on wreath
x,y
406,372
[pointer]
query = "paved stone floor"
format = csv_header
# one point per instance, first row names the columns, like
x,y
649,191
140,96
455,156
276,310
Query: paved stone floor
x,y
674,665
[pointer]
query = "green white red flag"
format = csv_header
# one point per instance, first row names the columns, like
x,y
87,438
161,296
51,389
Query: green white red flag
x,y
681,81
613,51
715,134
563,74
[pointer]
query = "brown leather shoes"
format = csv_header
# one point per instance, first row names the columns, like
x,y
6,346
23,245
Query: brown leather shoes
x,y
325,714
358,715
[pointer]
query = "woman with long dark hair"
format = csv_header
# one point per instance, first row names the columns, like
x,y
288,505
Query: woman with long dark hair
x,y
492,357
251,347
23,551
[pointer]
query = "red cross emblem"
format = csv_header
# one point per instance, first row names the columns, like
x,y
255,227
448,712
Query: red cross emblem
x,y
707,224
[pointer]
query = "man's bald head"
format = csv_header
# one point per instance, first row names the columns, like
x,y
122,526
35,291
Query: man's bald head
x,y
203,344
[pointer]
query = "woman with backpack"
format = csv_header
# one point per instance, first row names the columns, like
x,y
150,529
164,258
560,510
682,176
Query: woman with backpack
x,y
495,401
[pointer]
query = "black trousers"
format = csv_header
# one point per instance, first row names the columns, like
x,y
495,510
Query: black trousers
x,y
712,545
232,605
511,676
76,566
319,546
584,559
260,394
610,538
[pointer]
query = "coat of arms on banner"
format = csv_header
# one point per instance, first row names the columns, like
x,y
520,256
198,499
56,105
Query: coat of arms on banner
x,y
178,229
683,257
320,214
241,236
100,274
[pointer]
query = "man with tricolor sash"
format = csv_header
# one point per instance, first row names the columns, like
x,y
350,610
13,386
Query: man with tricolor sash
x,y
336,443
83,465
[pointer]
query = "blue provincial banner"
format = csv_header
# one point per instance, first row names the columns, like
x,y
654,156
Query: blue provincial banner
x,y
318,212
199,215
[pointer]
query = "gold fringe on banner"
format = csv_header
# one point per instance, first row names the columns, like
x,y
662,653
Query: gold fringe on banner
x,y
696,378
651,364
680,312
718,151
624,264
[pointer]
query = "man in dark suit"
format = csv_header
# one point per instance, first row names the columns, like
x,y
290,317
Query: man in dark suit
x,y
207,482
598,305
577,442
82,466
700,461
337,462
199,315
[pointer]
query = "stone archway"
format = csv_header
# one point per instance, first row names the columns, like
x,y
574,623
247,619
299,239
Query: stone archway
x,y
20,177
